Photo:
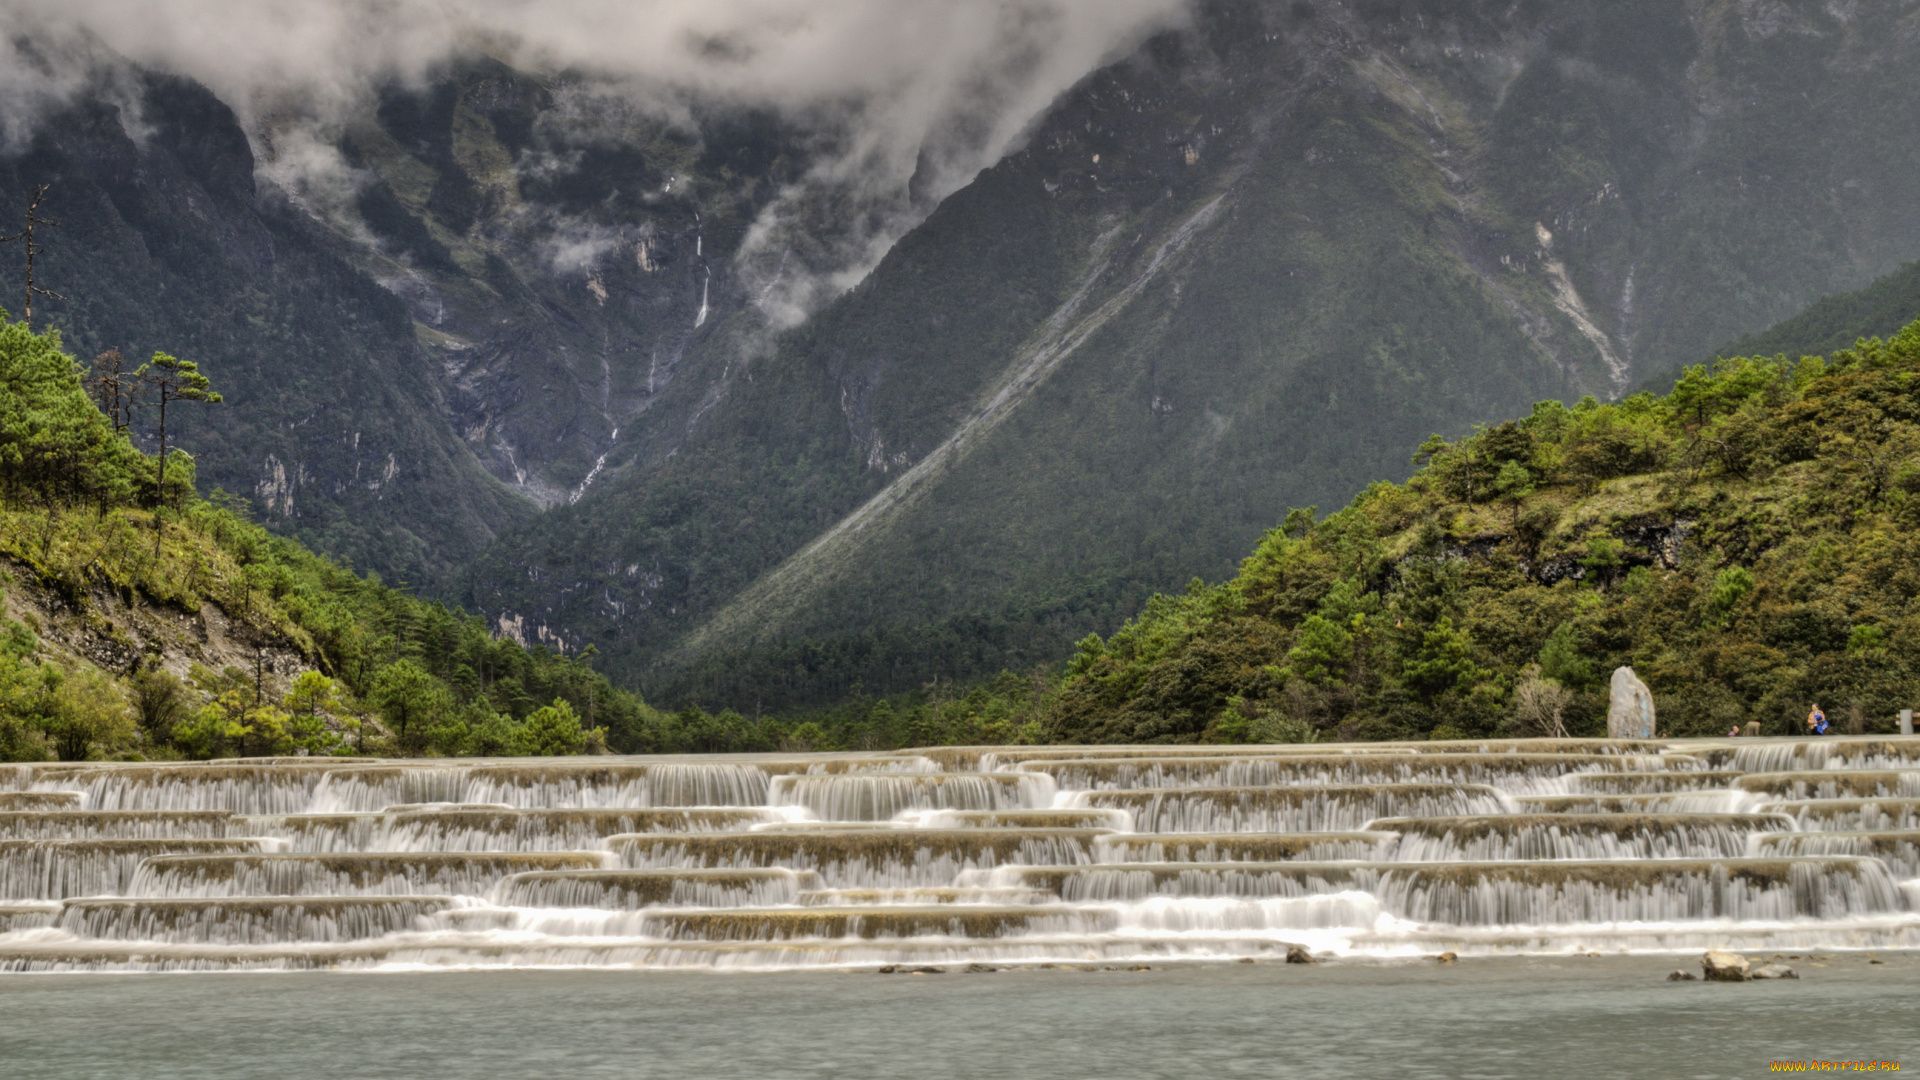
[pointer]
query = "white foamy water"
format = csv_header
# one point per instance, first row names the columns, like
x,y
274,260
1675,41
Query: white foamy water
x,y
956,856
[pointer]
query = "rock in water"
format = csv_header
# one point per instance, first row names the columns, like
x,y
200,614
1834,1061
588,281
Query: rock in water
x,y
1683,976
1775,971
1629,707
1298,954
1719,965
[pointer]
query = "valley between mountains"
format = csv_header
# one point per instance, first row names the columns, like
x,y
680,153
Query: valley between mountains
x,y
571,365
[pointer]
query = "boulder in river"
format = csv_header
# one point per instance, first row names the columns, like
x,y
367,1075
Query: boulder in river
x,y
1719,965
1298,954
1683,976
1629,707
1775,971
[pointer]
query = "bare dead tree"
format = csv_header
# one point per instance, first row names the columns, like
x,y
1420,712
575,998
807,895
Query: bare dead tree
x,y
33,249
118,391
1539,705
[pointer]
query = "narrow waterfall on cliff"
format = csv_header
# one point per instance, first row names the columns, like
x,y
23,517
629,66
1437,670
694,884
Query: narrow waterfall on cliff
x,y
1007,855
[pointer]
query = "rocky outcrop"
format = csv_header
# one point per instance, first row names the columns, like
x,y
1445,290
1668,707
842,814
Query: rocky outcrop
x,y
1661,541
118,631
1629,707
1721,966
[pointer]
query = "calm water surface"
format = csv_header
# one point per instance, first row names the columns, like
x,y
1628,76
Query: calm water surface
x,y
1574,1017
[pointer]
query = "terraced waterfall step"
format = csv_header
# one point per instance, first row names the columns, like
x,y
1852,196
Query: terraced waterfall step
x,y
248,920
359,874
630,890
1831,814
1578,836
40,800
1065,855
1513,771
466,827
57,869
1317,808
1512,893
886,858
66,824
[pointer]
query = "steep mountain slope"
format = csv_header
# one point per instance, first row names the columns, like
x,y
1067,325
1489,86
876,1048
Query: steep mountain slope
x,y
1836,322
1248,268
436,343
167,243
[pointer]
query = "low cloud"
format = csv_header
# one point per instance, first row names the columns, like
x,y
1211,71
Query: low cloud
x,y
893,87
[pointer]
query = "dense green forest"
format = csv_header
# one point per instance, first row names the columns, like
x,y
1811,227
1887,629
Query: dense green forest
x,y
86,524
1749,543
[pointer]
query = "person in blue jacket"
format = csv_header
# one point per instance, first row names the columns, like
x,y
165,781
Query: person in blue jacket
x,y
1816,721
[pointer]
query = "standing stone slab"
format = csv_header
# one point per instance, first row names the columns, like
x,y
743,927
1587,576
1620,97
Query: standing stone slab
x,y
1629,707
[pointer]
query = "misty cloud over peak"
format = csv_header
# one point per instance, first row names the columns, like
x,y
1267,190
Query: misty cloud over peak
x,y
941,87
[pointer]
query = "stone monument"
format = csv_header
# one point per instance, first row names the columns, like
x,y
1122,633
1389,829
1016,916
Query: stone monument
x,y
1629,707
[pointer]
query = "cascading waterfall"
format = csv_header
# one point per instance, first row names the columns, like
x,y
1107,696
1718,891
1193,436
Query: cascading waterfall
x,y
962,854
1702,801
637,786
114,824
870,797
1898,850
1843,814
249,921
1578,836
1514,772
1832,784
850,858
1289,809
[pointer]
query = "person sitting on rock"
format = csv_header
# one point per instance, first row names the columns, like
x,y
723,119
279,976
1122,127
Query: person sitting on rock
x,y
1816,721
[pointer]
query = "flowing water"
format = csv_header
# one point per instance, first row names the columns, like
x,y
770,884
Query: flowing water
x,y
955,856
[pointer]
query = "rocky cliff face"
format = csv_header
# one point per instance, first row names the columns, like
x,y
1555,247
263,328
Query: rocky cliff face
x,y
1246,268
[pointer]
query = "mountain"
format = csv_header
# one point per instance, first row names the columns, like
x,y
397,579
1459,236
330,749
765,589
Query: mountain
x,y
439,344
532,349
1248,268
1744,543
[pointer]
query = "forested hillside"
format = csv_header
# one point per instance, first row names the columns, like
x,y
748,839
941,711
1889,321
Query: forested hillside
x,y
1749,543
145,621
